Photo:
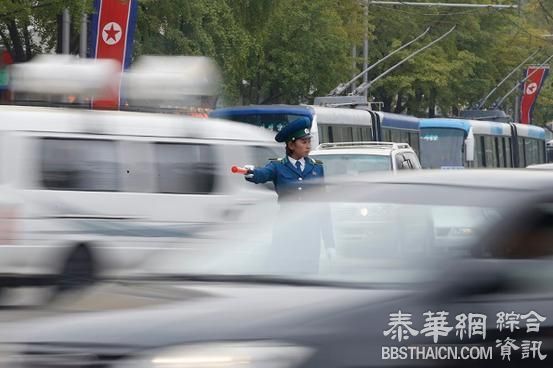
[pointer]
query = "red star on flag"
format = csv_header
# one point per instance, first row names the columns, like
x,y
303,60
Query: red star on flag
x,y
112,33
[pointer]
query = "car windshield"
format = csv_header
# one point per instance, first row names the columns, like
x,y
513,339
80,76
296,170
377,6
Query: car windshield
x,y
353,164
366,234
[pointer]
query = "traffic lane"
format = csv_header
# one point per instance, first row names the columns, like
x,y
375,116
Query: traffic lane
x,y
23,304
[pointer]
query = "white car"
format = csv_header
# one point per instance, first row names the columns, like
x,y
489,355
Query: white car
x,y
355,158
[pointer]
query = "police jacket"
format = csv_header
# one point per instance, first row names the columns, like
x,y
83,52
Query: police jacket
x,y
288,180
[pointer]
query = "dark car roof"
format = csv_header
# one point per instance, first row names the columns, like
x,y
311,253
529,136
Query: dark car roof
x,y
494,188
502,179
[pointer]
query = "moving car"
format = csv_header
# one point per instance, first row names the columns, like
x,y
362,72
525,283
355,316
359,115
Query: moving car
x,y
100,191
367,307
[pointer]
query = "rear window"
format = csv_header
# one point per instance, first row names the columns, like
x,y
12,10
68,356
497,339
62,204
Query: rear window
x,y
351,164
79,164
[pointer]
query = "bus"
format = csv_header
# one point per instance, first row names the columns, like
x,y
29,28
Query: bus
x,y
398,128
461,143
330,124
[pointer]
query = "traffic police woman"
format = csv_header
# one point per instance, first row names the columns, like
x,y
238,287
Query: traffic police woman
x,y
292,175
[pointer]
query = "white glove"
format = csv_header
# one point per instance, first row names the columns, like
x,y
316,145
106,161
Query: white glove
x,y
251,168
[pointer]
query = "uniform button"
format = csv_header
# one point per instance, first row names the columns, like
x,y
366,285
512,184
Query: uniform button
x,y
300,179
299,188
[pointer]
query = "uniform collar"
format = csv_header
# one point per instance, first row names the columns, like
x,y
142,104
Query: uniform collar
x,y
293,161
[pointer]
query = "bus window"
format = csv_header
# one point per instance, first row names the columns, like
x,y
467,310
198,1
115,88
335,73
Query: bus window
x,y
508,153
521,152
414,142
357,134
324,134
79,164
531,148
403,136
480,157
528,152
490,151
361,134
395,135
541,151
387,135
499,151
342,133
441,147
185,168
549,151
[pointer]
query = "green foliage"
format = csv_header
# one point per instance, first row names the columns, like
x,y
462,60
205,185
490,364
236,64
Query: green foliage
x,y
270,51
28,27
289,51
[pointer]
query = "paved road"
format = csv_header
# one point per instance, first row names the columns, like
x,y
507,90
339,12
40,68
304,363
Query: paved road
x,y
24,304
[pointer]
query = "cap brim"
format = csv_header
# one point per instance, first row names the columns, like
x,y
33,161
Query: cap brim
x,y
302,137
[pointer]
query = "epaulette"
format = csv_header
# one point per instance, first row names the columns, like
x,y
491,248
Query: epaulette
x,y
276,159
315,162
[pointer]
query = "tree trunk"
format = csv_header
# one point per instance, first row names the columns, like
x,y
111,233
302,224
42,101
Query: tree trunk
x,y
17,44
455,110
399,104
28,47
6,41
432,104
387,100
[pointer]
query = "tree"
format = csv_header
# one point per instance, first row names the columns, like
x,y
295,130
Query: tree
x,y
269,51
28,27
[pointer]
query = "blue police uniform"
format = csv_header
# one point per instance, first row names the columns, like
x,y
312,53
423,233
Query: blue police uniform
x,y
301,252
289,181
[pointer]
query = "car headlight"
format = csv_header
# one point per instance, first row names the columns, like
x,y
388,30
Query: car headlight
x,y
256,354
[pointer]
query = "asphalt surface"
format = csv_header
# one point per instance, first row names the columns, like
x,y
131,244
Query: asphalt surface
x,y
24,304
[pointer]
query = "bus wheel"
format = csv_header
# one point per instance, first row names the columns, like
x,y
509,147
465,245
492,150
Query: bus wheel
x,y
78,270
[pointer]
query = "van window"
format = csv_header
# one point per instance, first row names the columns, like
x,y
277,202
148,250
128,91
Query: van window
x,y
79,164
185,168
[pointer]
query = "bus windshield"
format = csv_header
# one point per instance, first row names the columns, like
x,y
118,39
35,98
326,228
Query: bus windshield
x,y
353,164
441,147
272,121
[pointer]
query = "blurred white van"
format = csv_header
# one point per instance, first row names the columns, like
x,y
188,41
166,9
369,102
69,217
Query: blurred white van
x,y
98,193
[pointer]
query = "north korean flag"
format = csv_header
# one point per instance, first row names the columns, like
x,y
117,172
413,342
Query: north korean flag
x,y
530,91
113,26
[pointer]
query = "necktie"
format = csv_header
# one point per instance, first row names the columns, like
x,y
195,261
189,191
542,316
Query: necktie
x,y
298,166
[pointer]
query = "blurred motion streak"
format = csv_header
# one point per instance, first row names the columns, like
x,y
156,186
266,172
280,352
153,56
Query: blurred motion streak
x,y
64,75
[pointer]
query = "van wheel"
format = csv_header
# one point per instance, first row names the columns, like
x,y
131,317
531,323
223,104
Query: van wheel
x,y
78,271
